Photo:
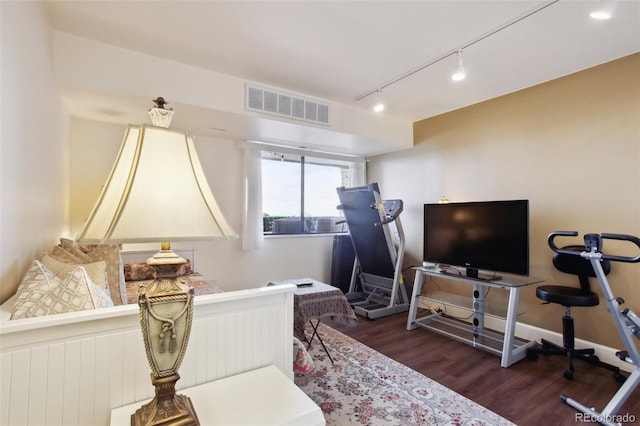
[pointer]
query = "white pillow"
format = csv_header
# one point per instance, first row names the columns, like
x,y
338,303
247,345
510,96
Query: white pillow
x,y
41,292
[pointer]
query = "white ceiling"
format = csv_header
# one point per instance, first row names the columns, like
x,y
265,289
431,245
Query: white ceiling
x,y
340,50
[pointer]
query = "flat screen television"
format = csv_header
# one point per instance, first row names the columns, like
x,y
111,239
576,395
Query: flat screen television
x,y
487,235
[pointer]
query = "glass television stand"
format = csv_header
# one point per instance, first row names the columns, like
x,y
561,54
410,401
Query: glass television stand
x,y
504,344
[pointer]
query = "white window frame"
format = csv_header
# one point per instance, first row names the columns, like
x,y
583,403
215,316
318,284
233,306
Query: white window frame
x,y
253,235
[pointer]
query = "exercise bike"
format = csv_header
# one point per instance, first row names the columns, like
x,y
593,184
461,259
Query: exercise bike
x,y
626,321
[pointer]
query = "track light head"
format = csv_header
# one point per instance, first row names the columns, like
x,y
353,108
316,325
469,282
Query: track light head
x,y
378,105
459,73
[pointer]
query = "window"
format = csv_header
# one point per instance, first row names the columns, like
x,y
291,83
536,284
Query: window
x,y
299,193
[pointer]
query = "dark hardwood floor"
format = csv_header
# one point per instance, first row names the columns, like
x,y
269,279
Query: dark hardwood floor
x,y
527,393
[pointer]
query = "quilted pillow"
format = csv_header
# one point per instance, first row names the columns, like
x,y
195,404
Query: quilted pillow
x,y
96,270
41,292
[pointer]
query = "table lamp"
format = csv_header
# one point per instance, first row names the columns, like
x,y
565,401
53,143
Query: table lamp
x,y
158,192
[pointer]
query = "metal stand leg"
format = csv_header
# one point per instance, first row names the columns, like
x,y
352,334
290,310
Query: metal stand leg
x,y
509,353
415,300
315,334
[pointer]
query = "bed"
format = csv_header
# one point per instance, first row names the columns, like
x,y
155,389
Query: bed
x,y
73,368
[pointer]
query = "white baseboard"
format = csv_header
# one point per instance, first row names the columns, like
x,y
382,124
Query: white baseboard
x,y
531,333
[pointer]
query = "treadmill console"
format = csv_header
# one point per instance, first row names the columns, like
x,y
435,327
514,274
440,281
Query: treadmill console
x,y
392,208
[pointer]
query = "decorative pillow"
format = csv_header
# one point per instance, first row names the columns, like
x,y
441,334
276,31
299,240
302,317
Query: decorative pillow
x,y
110,253
186,268
142,271
66,256
73,249
302,361
96,270
41,292
137,272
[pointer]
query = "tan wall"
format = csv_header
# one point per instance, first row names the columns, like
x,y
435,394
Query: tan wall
x,y
571,146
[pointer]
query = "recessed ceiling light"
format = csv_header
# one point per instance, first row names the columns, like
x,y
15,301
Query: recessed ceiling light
x,y
604,10
600,14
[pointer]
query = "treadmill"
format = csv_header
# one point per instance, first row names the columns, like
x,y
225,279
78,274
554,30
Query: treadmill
x,y
378,262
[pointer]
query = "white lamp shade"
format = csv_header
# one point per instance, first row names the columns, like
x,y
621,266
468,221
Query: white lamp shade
x,y
156,192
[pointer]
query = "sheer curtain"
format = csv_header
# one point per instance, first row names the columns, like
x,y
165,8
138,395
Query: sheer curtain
x,y
252,237
358,174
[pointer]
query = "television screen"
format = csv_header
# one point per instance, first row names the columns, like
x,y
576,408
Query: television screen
x,y
489,235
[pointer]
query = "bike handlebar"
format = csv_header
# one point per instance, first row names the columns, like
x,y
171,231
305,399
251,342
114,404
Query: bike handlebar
x,y
594,241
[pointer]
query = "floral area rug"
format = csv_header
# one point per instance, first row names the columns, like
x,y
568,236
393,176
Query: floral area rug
x,y
364,387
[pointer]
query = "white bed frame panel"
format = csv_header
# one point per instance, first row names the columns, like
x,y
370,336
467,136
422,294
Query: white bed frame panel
x,y
73,368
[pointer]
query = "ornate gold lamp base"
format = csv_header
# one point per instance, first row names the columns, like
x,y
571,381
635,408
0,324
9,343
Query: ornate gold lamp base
x,y
166,313
166,408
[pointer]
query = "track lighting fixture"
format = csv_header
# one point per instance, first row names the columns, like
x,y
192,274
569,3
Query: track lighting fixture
x,y
459,73
378,105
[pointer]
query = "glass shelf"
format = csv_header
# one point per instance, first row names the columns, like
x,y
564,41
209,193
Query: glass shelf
x,y
492,280
482,338
493,308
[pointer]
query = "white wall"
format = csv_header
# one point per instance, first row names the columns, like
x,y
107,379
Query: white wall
x,y
94,146
48,188
85,65
33,143
88,65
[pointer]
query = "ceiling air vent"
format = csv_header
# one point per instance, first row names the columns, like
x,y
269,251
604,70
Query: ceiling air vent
x,y
269,101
